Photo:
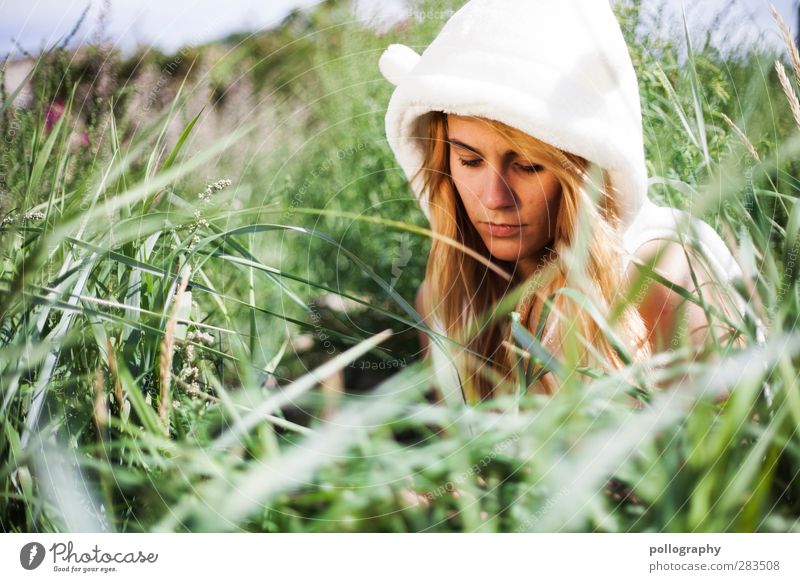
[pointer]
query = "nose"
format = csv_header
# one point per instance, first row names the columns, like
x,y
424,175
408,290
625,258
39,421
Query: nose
x,y
497,192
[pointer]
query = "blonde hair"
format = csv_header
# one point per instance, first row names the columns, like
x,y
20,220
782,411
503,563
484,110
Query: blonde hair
x,y
461,290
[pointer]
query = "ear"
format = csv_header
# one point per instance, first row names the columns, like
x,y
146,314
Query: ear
x,y
396,62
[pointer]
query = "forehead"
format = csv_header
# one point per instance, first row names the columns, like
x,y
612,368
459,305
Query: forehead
x,y
475,131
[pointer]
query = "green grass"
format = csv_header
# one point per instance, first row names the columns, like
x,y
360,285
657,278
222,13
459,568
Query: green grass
x,y
97,237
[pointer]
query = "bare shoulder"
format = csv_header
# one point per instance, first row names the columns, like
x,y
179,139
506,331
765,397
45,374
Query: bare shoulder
x,y
675,263
663,307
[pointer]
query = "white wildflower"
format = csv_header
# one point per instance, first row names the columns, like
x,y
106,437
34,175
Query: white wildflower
x,y
189,349
217,186
220,185
199,221
190,373
201,337
30,215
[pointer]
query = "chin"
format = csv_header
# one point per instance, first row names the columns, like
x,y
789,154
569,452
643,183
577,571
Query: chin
x,y
505,251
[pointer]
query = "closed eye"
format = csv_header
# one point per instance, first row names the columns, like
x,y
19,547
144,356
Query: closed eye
x,y
532,169
470,163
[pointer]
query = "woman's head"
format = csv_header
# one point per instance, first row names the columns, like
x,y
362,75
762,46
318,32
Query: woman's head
x,y
478,171
508,187
558,71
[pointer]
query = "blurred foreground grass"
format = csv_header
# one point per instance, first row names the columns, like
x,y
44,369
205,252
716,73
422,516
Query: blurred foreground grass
x,y
181,353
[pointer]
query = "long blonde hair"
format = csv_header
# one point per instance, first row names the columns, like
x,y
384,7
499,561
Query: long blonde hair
x,y
461,290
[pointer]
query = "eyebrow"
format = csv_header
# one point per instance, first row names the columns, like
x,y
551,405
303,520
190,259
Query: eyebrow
x,y
462,145
474,150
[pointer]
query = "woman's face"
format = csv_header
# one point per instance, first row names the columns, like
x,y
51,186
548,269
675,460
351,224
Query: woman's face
x,y
512,201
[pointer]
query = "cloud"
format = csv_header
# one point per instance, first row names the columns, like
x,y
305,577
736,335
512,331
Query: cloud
x,y
170,25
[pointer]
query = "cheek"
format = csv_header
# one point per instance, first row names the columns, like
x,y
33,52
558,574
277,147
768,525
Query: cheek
x,y
554,202
467,187
544,197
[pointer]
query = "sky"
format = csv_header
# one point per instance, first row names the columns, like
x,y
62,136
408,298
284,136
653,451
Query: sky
x,y
171,24
168,24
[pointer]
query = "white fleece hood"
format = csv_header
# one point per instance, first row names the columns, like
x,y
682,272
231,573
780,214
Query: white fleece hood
x,y
558,70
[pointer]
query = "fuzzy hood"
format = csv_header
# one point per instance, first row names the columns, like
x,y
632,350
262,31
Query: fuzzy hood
x,y
558,70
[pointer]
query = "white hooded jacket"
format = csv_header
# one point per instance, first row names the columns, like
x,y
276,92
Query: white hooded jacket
x,y
558,70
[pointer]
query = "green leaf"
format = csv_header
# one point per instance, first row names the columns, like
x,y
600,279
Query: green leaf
x,y
179,144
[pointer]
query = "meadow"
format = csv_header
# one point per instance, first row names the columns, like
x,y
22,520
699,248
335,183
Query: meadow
x,y
209,263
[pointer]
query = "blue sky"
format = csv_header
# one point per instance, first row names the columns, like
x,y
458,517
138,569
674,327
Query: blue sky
x,y
171,24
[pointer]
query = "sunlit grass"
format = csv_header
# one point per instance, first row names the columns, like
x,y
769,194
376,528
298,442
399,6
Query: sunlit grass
x,y
255,435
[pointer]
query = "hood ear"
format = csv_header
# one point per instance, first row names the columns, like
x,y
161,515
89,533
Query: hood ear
x,y
396,62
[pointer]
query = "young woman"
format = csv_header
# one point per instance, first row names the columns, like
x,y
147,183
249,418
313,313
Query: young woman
x,y
519,129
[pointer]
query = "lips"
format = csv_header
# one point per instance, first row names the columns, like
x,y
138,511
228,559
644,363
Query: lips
x,y
503,230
